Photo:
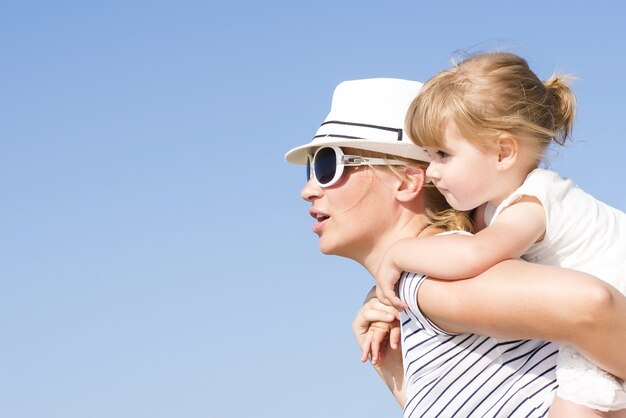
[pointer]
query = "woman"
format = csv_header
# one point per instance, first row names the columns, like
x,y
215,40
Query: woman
x,y
367,187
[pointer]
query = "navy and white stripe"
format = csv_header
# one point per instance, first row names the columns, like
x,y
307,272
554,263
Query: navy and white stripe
x,y
353,130
466,375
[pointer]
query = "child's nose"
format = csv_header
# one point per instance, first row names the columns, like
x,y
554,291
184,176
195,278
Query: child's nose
x,y
432,172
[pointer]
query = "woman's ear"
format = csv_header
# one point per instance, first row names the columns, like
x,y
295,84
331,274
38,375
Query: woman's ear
x,y
507,151
412,184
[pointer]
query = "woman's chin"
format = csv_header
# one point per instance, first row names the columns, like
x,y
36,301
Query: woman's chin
x,y
328,248
335,249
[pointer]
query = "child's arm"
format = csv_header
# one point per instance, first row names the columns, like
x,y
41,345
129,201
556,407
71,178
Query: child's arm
x,y
520,300
561,408
456,256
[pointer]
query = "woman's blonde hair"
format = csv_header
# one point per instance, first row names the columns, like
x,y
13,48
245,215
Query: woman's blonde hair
x,y
490,94
440,214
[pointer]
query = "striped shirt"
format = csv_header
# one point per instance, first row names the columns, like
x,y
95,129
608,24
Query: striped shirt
x,y
465,375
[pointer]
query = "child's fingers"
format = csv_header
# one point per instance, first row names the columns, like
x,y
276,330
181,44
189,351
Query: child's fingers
x,y
389,298
394,337
381,296
379,331
366,347
395,301
375,348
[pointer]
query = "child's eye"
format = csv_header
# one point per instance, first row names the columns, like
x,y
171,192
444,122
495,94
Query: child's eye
x,y
437,154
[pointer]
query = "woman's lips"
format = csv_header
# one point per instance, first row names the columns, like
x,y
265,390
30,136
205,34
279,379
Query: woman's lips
x,y
317,226
320,219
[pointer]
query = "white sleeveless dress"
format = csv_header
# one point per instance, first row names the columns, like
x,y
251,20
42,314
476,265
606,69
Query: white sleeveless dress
x,y
583,234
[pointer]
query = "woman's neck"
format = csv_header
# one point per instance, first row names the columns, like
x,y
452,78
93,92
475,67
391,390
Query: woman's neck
x,y
417,225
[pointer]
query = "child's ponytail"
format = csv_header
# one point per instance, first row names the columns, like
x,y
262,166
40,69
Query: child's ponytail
x,y
564,106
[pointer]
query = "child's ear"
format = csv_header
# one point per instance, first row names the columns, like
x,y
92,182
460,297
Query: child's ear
x,y
412,185
507,151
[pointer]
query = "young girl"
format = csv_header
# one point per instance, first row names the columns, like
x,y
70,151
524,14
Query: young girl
x,y
486,124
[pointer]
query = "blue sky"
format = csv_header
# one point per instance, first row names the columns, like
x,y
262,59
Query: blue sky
x,y
157,260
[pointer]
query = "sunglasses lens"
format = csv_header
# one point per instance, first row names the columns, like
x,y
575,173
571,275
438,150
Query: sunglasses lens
x,y
308,169
325,165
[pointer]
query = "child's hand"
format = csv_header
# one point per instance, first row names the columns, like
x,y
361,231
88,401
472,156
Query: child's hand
x,y
387,277
380,336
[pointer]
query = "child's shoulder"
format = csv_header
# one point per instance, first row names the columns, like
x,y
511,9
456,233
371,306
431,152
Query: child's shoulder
x,y
543,174
548,181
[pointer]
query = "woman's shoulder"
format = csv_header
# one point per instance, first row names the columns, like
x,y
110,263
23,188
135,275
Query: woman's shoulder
x,y
454,232
440,231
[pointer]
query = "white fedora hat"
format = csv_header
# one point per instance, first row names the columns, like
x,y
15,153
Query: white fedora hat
x,y
369,115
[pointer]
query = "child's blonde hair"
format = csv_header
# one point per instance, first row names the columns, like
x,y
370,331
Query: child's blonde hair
x,y
490,94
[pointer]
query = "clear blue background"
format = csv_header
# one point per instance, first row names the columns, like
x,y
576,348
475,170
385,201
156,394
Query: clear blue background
x,y
155,257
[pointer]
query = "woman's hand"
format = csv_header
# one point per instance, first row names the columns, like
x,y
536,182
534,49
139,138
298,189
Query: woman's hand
x,y
376,329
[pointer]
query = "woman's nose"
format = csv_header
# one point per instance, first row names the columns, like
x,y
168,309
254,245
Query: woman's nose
x,y
311,190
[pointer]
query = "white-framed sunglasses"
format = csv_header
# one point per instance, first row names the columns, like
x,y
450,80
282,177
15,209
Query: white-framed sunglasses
x,y
327,163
